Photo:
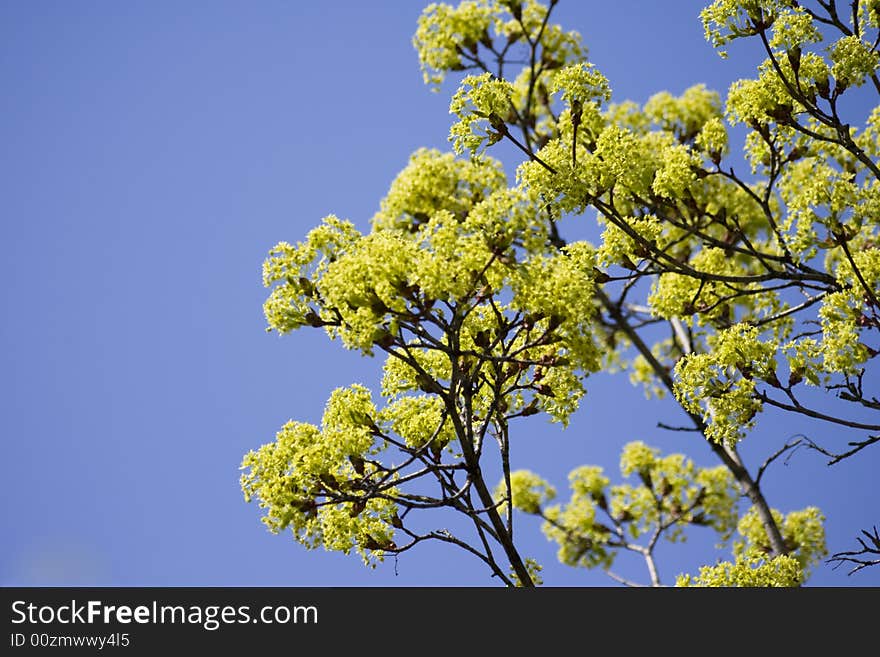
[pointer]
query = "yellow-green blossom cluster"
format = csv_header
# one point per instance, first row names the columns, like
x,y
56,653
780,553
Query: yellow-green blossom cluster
x,y
840,349
400,377
528,19
768,99
712,139
575,527
444,233
672,487
676,171
686,115
528,491
763,572
794,28
289,268
619,152
304,480
802,531
598,518
619,245
869,12
448,38
420,420
726,20
482,105
444,31
869,139
580,83
803,534
719,385
434,181
854,60
558,286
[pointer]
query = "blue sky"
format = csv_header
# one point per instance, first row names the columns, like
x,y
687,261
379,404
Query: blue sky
x,y
152,154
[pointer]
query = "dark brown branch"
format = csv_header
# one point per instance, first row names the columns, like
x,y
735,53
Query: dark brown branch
x,y
796,407
661,425
449,538
857,446
528,151
782,450
464,431
841,240
677,267
861,558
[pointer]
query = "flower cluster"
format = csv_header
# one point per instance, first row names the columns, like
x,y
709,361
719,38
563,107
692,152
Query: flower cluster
x,y
599,519
719,385
804,537
312,480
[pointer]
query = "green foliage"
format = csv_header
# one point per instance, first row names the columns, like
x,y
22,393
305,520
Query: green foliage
x,y
487,316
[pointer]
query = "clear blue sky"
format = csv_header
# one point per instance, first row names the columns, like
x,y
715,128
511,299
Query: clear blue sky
x,y
152,153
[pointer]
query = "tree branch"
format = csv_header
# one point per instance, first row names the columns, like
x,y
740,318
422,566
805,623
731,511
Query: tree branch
x,y
872,547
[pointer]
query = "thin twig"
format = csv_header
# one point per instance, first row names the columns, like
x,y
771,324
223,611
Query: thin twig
x,y
782,450
855,556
